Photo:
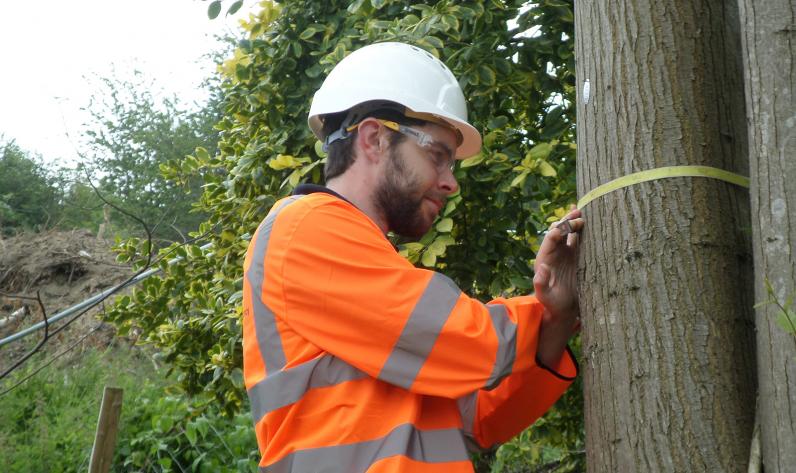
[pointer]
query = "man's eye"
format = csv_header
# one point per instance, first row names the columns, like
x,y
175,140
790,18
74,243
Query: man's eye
x,y
439,158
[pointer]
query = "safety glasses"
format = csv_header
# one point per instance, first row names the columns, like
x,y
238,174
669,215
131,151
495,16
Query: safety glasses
x,y
440,154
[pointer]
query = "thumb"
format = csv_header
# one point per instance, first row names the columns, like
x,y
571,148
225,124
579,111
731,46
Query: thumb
x,y
541,280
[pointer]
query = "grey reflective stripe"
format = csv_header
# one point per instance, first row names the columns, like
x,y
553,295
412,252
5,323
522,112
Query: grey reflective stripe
x,y
506,331
420,332
429,446
285,387
467,407
268,338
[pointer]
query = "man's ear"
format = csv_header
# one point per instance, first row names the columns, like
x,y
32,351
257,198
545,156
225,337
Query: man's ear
x,y
370,141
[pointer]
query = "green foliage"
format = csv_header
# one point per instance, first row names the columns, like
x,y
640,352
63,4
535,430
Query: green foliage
x,y
138,142
80,207
135,137
49,422
29,195
170,434
519,82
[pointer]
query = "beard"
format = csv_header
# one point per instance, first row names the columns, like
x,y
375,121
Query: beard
x,y
399,203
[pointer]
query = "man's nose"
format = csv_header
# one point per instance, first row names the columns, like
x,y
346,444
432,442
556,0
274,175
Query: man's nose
x,y
447,182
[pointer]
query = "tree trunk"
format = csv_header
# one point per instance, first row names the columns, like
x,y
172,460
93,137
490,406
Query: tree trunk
x,y
665,271
768,36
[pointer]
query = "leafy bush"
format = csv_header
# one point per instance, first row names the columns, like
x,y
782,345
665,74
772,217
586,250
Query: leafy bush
x,y
168,433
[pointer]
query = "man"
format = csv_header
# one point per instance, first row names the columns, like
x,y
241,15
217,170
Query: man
x,y
355,360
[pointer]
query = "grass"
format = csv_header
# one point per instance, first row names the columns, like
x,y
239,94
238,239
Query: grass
x,y
48,422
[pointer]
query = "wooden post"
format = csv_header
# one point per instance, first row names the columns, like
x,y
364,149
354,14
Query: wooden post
x,y
107,426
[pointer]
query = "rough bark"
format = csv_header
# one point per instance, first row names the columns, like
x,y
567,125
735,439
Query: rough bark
x,y
665,270
768,37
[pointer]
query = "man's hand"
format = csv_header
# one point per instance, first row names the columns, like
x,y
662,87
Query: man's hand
x,y
555,286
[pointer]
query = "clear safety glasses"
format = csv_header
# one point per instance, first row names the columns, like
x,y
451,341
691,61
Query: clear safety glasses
x,y
441,155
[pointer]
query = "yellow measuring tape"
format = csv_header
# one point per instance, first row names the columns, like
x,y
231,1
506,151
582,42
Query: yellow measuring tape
x,y
664,172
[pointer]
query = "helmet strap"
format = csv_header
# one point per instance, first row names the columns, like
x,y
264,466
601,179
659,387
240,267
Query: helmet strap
x,y
355,115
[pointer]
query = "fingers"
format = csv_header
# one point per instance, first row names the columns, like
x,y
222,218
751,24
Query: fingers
x,y
541,279
568,226
572,239
567,231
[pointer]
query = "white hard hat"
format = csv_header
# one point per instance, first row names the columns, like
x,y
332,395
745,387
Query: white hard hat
x,y
402,74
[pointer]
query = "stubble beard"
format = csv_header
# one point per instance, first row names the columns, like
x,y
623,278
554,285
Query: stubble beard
x,y
395,197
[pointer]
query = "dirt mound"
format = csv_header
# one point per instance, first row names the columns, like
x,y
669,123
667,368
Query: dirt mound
x,y
65,267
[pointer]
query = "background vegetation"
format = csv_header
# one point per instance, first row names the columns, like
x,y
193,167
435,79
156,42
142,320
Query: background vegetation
x,y
49,422
133,132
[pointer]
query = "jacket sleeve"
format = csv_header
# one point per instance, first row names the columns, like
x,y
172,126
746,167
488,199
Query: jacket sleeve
x,y
491,417
346,290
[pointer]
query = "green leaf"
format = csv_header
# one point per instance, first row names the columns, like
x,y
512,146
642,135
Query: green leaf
x,y
190,432
355,6
445,225
237,376
786,319
437,247
294,178
314,71
486,75
283,161
214,9
195,251
319,149
434,41
307,33
472,161
429,259
540,151
450,22
545,169
521,283
234,7
519,179
498,121
298,50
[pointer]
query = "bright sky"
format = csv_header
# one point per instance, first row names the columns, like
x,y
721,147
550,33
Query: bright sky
x,y
52,49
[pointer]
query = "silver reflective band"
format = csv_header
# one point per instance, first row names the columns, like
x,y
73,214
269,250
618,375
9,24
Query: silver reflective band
x,y
268,338
429,446
506,332
286,387
467,407
420,332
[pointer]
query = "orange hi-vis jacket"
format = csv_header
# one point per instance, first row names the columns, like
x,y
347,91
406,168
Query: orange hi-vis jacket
x,y
355,360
